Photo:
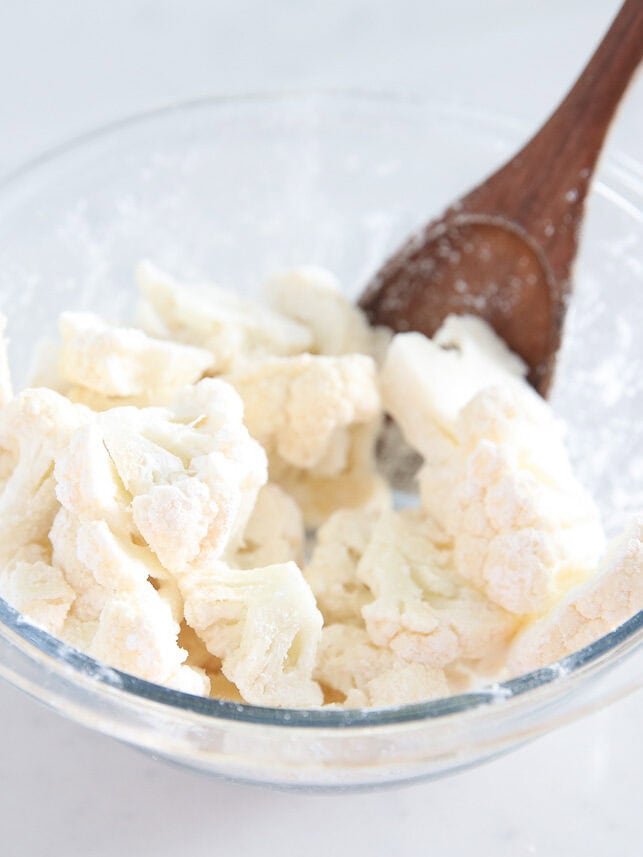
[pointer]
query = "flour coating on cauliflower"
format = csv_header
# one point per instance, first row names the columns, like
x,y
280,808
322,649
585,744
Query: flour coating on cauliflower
x,y
496,475
366,675
199,503
234,329
316,417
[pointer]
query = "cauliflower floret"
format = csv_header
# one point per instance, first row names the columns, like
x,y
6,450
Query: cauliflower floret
x,y
317,418
87,482
264,625
97,562
117,615
97,596
116,563
496,474
93,533
34,427
368,675
90,595
232,328
124,362
524,530
609,598
36,588
299,407
313,297
425,382
184,478
145,493
137,633
6,389
332,570
189,679
422,609
275,532
45,371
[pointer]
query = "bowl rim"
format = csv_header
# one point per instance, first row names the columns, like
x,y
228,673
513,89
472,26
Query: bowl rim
x,y
453,106
628,636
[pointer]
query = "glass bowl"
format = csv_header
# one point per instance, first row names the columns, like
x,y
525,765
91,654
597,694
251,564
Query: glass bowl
x,y
234,189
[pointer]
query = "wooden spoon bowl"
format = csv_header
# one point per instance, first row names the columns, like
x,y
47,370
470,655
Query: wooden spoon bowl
x,y
479,265
505,251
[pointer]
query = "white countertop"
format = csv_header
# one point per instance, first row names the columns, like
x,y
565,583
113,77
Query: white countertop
x,y
68,792
67,66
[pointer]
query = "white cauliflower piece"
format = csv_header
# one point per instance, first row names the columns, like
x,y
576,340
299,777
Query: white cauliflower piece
x,y
496,475
370,676
137,634
264,625
93,533
45,371
425,382
34,427
97,562
125,362
145,494
524,530
313,297
596,607
232,328
332,569
190,473
299,407
90,596
37,589
87,482
189,679
117,615
275,532
115,563
422,609
317,418
183,478
6,388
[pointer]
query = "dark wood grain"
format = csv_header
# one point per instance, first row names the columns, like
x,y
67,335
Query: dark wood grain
x,y
505,251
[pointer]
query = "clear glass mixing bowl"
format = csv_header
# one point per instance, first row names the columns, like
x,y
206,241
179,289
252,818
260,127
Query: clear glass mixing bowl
x,y
234,189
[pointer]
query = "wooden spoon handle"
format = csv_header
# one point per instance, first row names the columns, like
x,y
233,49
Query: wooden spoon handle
x,y
573,136
543,188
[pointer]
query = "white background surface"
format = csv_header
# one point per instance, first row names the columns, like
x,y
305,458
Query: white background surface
x,y
68,65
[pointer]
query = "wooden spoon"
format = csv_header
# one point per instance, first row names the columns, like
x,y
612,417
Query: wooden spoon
x,y
505,250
